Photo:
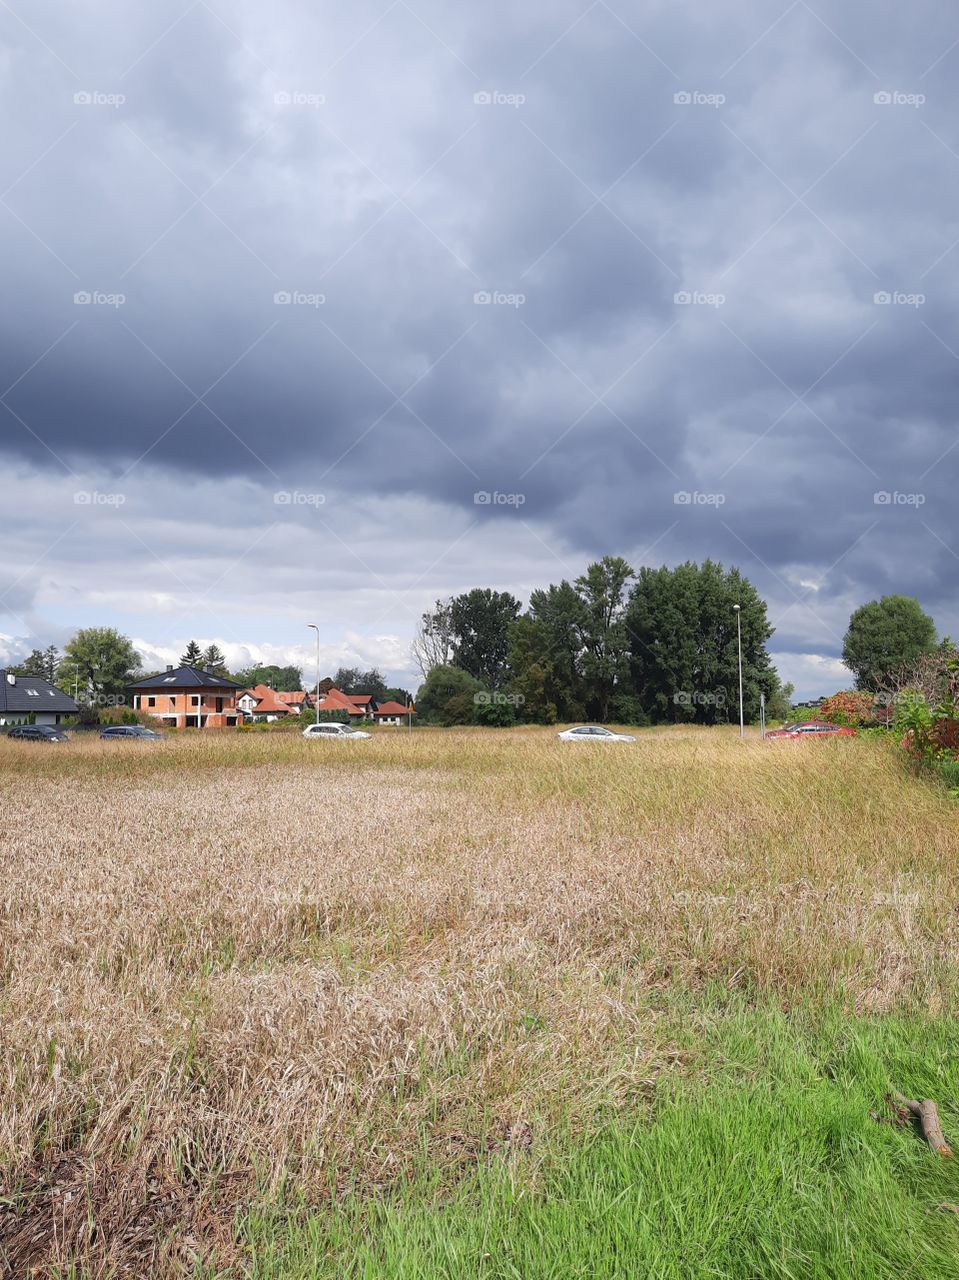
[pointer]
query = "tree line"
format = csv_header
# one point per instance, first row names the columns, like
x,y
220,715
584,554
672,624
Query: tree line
x,y
657,646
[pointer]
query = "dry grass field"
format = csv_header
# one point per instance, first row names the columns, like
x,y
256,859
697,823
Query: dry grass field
x,y
248,967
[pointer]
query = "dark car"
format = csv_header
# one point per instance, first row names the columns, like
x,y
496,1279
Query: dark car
x,y
38,733
130,731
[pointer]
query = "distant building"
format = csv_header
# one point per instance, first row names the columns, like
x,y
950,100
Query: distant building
x,y
261,703
363,706
30,700
188,698
355,705
391,713
297,699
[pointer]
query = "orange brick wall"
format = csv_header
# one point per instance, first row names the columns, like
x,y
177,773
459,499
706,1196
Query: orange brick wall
x,y
181,705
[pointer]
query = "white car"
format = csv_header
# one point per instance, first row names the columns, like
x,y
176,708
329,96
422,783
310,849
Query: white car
x,y
344,732
593,733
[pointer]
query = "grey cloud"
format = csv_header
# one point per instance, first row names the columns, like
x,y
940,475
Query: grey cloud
x,y
398,198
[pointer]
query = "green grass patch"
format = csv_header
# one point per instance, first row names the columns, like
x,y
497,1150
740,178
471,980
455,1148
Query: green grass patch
x,y
758,1157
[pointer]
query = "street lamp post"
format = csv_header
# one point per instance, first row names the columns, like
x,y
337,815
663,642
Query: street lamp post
x,y
739,645
317,630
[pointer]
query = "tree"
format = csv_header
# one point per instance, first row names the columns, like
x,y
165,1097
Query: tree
x,y
42,664
779,706
215,660
443,685
682,629
481,620
103,661
192,656
285,678
353,680
603,635
546,656
433,643
402,696
885,635
533,680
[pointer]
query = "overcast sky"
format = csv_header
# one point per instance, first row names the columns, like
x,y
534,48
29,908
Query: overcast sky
x,y
290,288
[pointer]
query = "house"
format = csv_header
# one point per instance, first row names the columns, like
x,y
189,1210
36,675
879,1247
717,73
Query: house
x,y
261,703
353,704
188,698
391,713
30,700
297,700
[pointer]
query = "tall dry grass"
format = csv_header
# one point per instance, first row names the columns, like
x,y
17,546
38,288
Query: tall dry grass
x,y
237,961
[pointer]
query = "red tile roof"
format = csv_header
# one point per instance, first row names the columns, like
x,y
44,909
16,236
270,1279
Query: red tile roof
x,y
267,702
391,709
333,700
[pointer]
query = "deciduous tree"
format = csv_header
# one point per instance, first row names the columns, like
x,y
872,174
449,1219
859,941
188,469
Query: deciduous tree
x,y
884,635
103,660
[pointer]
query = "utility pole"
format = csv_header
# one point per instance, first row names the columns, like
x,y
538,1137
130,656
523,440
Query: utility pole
x,y
317,630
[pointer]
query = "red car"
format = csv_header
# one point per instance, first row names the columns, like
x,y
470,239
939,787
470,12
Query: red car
x,y
817,729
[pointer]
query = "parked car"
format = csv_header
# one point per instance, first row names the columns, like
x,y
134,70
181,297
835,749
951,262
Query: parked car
x,y
38,733
819,729
343,732
131,731
593,733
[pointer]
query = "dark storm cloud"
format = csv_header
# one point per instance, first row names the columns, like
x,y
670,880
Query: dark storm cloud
x,y
597,255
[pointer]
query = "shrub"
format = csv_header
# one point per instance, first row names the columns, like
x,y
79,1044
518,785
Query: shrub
x,y
852,707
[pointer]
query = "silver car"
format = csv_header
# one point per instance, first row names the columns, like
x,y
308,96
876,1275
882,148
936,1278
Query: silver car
x,y
342,732
593,733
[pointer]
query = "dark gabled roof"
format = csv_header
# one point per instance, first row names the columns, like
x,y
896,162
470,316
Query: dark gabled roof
x,y
184,678
29,693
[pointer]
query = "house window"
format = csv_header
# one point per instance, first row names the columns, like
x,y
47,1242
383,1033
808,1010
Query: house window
x,y
33,693
151,702
195,701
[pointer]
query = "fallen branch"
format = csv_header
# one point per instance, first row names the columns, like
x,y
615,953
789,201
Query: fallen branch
x,y
927,1113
